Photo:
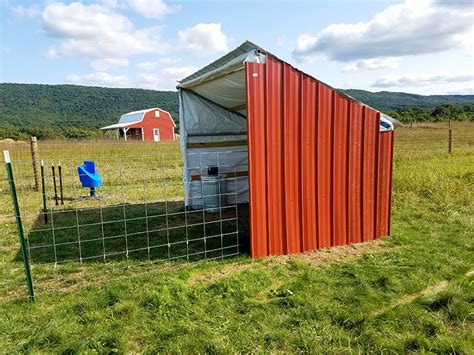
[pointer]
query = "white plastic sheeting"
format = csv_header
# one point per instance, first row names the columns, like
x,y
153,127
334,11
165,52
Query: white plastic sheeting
x,y
227,91
202,121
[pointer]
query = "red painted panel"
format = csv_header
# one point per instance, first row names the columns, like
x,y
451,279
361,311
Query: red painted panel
x,y
255,80
292,157
369,156
324,153
275,172
340,145
164,123
384,184
319,170
355,174
391,182
308,164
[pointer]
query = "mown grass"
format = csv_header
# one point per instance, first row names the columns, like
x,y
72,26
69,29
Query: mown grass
x,y
372,302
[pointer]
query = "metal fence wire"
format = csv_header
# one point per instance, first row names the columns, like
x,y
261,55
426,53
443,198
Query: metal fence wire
x,y
138,217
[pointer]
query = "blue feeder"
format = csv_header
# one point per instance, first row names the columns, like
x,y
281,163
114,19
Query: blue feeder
x,y
89,177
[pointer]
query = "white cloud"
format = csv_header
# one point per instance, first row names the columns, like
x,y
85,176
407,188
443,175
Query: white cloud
x,y
203,39
161,79
410,28
99,79
105,64
25,11
371,64
152,8
417,80
157,65
96,31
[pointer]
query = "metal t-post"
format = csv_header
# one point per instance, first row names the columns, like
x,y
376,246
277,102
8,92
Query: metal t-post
x,y
43,192
16,208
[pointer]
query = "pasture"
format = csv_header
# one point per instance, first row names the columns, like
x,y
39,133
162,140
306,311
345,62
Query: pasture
x,y
412,291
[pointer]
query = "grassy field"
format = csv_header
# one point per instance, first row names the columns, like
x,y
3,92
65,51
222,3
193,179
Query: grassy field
x,y
411,292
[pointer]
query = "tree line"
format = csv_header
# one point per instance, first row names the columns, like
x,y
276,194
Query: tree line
x,y
437,114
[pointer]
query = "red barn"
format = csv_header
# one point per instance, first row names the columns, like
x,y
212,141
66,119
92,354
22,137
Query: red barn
x,y
152,125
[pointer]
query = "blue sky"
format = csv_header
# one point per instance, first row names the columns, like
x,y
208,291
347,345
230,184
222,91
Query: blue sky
x,y
418,46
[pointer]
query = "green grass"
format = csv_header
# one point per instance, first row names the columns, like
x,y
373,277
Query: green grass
x,y
411,292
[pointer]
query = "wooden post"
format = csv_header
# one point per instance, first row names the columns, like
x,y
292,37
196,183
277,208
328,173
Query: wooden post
x,y
450,139
35,162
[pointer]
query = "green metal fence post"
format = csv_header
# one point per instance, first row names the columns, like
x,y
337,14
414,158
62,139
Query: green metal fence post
x,y
16,208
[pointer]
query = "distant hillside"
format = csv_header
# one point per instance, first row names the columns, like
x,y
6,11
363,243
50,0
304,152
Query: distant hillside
x,y
71,111
62,106
386,101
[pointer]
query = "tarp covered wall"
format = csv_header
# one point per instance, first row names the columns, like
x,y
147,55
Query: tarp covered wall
x,y
212,136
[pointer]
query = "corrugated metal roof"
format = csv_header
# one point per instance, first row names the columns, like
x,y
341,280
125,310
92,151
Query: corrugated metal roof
x,y
119,125
245,47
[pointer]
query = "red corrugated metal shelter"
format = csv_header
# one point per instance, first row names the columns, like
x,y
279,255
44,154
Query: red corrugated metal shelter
x,y
319,162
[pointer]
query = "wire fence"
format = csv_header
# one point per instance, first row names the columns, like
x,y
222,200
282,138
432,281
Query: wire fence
x,y
139,220
137,217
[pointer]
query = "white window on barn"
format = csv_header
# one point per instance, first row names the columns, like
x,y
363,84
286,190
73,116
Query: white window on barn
x,y
157,113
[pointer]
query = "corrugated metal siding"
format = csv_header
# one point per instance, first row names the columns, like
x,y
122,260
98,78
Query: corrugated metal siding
x,y
308,164
324,171
339,161
257,161
354,206
319,170
291,157
384,192
274,159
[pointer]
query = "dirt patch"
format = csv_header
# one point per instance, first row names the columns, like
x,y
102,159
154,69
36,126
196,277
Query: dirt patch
x,y
215,274
317,258
323,257
470,273
431,290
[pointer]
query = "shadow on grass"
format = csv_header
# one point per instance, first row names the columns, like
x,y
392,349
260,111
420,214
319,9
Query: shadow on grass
x,y
138,232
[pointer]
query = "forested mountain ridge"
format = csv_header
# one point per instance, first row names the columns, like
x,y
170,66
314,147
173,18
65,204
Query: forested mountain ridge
x,y
77,106
386,100
72,111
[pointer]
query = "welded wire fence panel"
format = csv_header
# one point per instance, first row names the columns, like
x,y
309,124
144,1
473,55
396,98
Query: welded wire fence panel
x,y
138,217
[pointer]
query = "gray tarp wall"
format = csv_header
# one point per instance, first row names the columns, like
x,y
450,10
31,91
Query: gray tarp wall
x,y
203,123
